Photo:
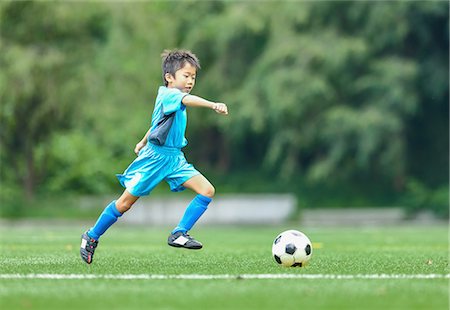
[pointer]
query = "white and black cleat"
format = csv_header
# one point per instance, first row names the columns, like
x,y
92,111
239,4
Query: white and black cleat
x,y
87,248
183,240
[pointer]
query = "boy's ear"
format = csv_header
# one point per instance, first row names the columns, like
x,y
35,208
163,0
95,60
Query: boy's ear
x,y
169,78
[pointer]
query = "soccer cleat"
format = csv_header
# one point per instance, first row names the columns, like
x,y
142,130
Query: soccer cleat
x,y
87,248
183,240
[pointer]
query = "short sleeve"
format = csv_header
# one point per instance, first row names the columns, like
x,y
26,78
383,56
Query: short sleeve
x,y
171,100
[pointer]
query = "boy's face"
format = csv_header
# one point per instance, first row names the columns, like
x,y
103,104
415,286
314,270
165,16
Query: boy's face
x,y
184,78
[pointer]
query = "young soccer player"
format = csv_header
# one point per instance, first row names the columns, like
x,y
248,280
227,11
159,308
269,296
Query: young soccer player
x,y
159,156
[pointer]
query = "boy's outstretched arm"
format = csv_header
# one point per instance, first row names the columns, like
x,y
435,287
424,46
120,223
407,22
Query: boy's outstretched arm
x,y
196,101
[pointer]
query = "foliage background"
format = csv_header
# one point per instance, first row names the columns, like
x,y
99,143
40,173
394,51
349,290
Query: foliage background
x,y
344,103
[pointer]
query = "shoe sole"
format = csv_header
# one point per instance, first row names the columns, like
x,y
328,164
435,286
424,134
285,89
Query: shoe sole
x,y
185,247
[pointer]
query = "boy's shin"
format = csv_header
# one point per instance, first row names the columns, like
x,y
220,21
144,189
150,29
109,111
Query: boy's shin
x,y
108,217
193,212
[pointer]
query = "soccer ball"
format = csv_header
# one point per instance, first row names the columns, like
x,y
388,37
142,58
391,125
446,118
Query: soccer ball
x,y
292,248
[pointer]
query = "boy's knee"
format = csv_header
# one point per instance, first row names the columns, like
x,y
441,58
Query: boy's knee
x,y
123,206
125,201
208,191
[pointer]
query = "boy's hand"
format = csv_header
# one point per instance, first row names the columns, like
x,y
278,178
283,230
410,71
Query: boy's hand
x,y
220,108
139,147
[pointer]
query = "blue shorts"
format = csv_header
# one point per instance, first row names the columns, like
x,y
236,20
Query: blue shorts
x,y
153,165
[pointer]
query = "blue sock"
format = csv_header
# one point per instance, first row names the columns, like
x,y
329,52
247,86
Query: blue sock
x,y
108,217
193,212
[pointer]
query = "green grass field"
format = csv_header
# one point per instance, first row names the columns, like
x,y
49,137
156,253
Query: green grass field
x,y
124,250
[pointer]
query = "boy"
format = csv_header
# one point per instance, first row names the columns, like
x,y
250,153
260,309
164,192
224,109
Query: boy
x,y
160,156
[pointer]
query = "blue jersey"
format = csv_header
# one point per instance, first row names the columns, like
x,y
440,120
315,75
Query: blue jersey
x,y
162,158
169,119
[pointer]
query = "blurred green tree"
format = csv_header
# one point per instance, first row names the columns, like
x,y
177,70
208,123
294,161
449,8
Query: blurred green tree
x,y
328,89
329,94
45,48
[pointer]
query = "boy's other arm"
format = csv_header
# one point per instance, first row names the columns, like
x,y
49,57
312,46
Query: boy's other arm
x,y
196,101
141,143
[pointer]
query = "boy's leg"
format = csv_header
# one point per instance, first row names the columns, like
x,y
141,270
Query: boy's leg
x,y
205,192
111,213
108,217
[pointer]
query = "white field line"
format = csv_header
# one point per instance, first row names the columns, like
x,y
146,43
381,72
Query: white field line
x,y
222,276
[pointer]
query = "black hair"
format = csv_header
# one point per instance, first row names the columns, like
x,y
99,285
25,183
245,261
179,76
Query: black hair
x,y
174,60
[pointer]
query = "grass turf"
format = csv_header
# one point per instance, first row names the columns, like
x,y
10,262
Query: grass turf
x,y
228,250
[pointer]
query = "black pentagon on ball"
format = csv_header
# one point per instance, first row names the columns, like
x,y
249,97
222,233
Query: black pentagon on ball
x,y
277,259
308,249
277,239
295,233
290,248
297,265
